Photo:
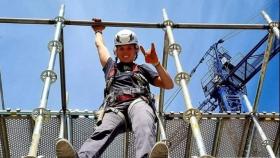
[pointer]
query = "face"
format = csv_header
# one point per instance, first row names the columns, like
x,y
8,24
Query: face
x,y
126,53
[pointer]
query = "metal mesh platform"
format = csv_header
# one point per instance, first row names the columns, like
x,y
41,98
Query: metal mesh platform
x,y
224,135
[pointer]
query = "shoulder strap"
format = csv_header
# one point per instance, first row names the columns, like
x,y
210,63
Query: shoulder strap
x,y
112,71
135,68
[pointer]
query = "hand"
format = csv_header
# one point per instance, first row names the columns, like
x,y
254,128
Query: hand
x,y
150,55
97,28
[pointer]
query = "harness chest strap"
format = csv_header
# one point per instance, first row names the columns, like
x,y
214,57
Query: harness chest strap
x,y
142,81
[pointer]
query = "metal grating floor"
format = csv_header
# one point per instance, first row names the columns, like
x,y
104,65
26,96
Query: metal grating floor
x,y
182,144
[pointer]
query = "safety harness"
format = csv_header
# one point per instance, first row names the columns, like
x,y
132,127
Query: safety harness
x,y
142,87
115,95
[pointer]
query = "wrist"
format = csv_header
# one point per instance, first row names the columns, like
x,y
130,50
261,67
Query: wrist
x,y
98,31
156,64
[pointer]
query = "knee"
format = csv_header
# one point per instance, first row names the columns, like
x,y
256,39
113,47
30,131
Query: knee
x,y
98,135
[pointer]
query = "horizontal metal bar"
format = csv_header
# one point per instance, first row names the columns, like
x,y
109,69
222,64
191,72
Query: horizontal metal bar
x,y
271,115
26,21
114,24
136,24
52,113
221,26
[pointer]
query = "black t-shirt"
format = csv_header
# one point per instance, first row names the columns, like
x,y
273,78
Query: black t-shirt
x,y
124,77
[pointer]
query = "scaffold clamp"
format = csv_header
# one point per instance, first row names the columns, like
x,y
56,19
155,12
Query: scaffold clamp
x,y
48,73
267,142
41,111
180,76
274,24
174,46
67,111
254,114
56,44
192,112
60,19
168,23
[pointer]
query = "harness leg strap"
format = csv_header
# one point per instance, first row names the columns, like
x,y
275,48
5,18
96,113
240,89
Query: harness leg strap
x,y
118,112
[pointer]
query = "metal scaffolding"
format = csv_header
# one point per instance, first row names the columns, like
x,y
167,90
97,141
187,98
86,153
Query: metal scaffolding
x,y
192,116
48,77
1,93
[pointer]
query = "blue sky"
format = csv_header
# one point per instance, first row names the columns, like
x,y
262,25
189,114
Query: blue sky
x,y
24,54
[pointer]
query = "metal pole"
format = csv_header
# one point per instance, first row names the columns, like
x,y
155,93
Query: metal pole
x,y
69,126
218,134
1,93
270,23
161,128
4,138
62,74
62,126
63,120
161,93
126,144
258,127
251,135
263,71
182,78
277,141
48,76
259,88
135,24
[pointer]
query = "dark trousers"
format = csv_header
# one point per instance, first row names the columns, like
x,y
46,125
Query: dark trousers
x,y
142,119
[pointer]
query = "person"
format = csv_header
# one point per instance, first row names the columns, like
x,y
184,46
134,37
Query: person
x,y
128,102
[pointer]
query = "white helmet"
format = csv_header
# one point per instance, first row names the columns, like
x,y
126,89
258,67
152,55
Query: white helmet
x,y
125,37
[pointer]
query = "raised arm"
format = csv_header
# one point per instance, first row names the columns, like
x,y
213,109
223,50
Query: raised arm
x,y
99,43
163,80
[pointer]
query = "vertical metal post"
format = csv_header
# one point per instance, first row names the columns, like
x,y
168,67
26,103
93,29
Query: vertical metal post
x,y
4,138
63,125
48,77
247,132
62,74
259,89
263,71
218,134
161,128
161,95
251,135
182,78
126,144
69,121
265,60
277,141
188,149
1,94
258,127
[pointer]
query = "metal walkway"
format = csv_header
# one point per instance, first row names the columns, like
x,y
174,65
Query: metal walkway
x,y
224,134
